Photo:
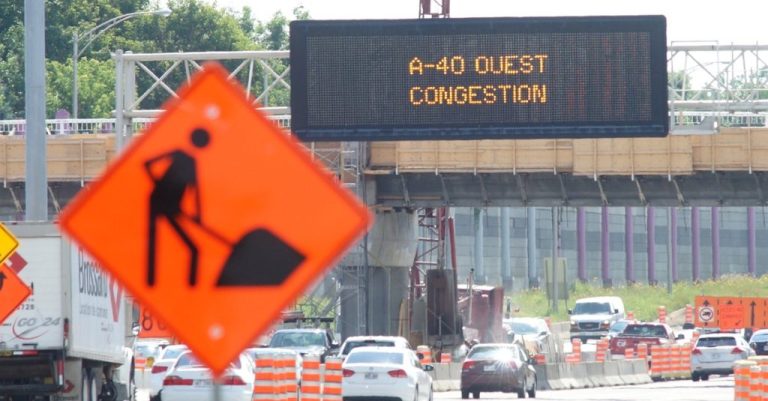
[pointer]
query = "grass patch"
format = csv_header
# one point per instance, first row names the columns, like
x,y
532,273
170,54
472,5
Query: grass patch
x,y
642,299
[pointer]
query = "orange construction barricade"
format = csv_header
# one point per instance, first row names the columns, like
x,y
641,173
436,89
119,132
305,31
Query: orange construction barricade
x,y
311,380
741,380
264,378
332,379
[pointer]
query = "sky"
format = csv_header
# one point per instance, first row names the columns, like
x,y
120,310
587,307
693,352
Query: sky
x,y
731,21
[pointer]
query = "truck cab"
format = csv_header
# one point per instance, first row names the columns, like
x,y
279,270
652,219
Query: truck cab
x,y
591,318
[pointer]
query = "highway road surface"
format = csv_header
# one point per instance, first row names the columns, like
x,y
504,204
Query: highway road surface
x,y
716,389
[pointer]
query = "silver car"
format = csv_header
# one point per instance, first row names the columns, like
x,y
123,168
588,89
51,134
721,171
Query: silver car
x,y
716,353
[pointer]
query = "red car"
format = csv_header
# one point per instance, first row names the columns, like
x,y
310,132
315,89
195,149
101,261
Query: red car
x,y
498,367
638,333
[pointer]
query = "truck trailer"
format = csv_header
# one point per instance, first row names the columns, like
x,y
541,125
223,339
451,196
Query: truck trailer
x,y
74,334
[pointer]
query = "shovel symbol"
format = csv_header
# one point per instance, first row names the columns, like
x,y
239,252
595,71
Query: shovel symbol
x,y
259,258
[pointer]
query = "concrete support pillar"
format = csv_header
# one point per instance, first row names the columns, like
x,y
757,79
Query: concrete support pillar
x,y
479,232
629,245
533,271
605,249
581,243
673,244
751,243
506,257
651,247
695,243
372,295
715,242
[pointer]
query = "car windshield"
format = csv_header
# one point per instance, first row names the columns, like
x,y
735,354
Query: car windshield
x,y
297,339
376,357
144,350
645,330
618,327
493,353
759,338
591,308
173,353
716,342
350,345
187,360
519,327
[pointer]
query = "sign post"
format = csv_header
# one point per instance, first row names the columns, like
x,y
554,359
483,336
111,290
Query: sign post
x,y
220,212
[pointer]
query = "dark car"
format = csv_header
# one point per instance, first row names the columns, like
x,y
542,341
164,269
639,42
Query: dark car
x,y
305,341
498,367
759,342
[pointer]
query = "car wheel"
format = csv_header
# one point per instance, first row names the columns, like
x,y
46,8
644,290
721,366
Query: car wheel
x,y
532,391
705,377
475,394
695,376
464,394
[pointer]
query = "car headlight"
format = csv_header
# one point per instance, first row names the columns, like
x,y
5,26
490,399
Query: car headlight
x,y
605,324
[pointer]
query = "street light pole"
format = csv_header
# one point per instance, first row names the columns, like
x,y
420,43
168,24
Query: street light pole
x,y
90,36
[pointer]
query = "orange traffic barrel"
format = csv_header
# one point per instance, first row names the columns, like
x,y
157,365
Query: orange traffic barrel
x,y
741,380
311,379
601,352
264,377
642,351
426,353
332,379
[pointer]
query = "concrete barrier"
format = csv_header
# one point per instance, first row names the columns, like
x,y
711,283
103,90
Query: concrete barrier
x,y
581,377
640,368
566,375
542,379
626,372
612,374
553,377
596,374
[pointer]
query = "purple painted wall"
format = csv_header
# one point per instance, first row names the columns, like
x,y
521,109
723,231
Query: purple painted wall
x,y
695,243
674,244
605,249
715,242
651,227
581,243
629,245
751,242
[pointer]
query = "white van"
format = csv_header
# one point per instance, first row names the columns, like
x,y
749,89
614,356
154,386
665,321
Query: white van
x,y
592,317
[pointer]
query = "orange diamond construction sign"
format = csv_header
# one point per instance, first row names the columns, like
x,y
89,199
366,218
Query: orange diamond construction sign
x,y
215,219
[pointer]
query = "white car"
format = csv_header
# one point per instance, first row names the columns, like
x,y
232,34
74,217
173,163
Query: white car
x,y
534,332
190,380
716,353
164,360
389,372
372,341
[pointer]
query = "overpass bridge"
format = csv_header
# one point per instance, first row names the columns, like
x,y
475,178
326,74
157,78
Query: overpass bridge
x,y
725,169
716,155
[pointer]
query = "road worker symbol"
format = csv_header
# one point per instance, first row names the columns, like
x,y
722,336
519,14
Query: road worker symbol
x,y
212,212
258,258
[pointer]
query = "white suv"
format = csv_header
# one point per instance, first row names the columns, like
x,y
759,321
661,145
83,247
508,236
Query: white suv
x,y
716,353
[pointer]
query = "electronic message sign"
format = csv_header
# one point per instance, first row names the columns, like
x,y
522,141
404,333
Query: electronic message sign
x,y
479,78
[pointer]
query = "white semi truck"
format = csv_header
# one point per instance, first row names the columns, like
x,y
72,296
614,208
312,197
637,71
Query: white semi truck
x,y
73,332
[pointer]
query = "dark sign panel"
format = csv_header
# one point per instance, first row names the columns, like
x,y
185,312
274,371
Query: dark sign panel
x,y
479,78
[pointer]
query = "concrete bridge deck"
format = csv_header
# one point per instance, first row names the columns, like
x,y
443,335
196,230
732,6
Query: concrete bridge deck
x,y
725,169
